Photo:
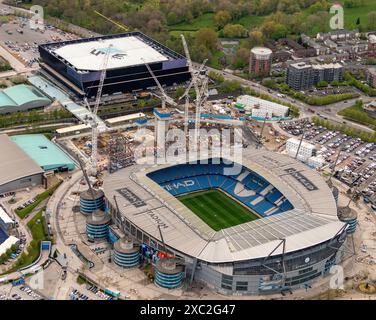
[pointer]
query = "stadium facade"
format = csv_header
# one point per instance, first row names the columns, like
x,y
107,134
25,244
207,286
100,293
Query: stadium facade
x,y
78,63
296,240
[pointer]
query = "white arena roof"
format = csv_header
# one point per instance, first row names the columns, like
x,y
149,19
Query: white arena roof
x,y
312,221
125,52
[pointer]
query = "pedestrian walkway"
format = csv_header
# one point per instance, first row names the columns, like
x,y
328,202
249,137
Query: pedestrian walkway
x,y
80,112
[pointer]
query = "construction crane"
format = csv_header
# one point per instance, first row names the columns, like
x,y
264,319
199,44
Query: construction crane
x,y
119,25
94,119
165,98
91,191
195,80
186,96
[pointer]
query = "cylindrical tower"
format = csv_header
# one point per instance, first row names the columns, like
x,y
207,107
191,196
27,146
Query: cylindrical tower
x,y
168,274
349,216
260,61
97,225
126,254
90,202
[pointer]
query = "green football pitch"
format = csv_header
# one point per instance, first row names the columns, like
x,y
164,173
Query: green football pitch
x,y
217,209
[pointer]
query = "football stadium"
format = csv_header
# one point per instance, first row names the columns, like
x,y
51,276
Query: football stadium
x,y
77,64
270,226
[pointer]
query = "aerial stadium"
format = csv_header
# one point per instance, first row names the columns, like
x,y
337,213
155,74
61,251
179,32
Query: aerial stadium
x,y
77,64
272,226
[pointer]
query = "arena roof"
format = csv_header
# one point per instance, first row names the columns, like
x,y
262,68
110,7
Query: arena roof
x,y
21,96
312,221
43,151
15,163
125,52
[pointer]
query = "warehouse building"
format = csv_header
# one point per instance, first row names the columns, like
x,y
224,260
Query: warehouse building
x,y
306,150
44,152
78,63
263,108
22,98
17,169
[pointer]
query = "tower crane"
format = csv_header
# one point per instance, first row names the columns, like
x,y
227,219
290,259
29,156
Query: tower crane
x,y
94,119
195,81
186,96
164,97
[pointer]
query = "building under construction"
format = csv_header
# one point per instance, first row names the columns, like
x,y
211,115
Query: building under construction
x,y
78,63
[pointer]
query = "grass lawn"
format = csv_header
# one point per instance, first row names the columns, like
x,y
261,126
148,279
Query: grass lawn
x,y
204,21
250,22
214,61
217,209
352,14
38,199
357,114
37,229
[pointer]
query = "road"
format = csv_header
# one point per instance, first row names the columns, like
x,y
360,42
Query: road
x,y
329,111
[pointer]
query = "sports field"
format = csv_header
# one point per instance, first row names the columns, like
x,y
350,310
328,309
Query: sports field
x,y
216,209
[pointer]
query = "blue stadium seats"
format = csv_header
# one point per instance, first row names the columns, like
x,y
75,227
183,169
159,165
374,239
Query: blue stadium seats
x,y
186,178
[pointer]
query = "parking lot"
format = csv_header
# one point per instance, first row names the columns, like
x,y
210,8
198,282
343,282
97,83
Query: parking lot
x,y
20,40
356,164
22,292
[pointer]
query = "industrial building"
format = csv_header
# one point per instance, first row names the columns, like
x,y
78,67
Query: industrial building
x,y
262,108
302,76
125,119
17,169
296,240
22,98
6,223
260,61
306,150
78,63
8,243
44,152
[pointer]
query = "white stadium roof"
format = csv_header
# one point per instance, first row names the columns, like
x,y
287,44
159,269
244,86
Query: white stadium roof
x,y
312,221
125,52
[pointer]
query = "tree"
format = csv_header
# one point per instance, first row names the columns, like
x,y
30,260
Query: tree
x,y
241,58
179,91
372,20
234,31
217,77
322,84
222,17
256,38
208,38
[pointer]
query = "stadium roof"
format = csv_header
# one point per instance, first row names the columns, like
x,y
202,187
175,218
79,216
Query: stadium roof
x,y
22,95
15,163
125,52
312,221
44,152
4,216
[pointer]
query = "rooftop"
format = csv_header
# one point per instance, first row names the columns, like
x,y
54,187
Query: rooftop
x,y
312,221
20,95
44,152
14,162
125,52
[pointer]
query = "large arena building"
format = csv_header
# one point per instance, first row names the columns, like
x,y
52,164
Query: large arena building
x,y
78,63
290,237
